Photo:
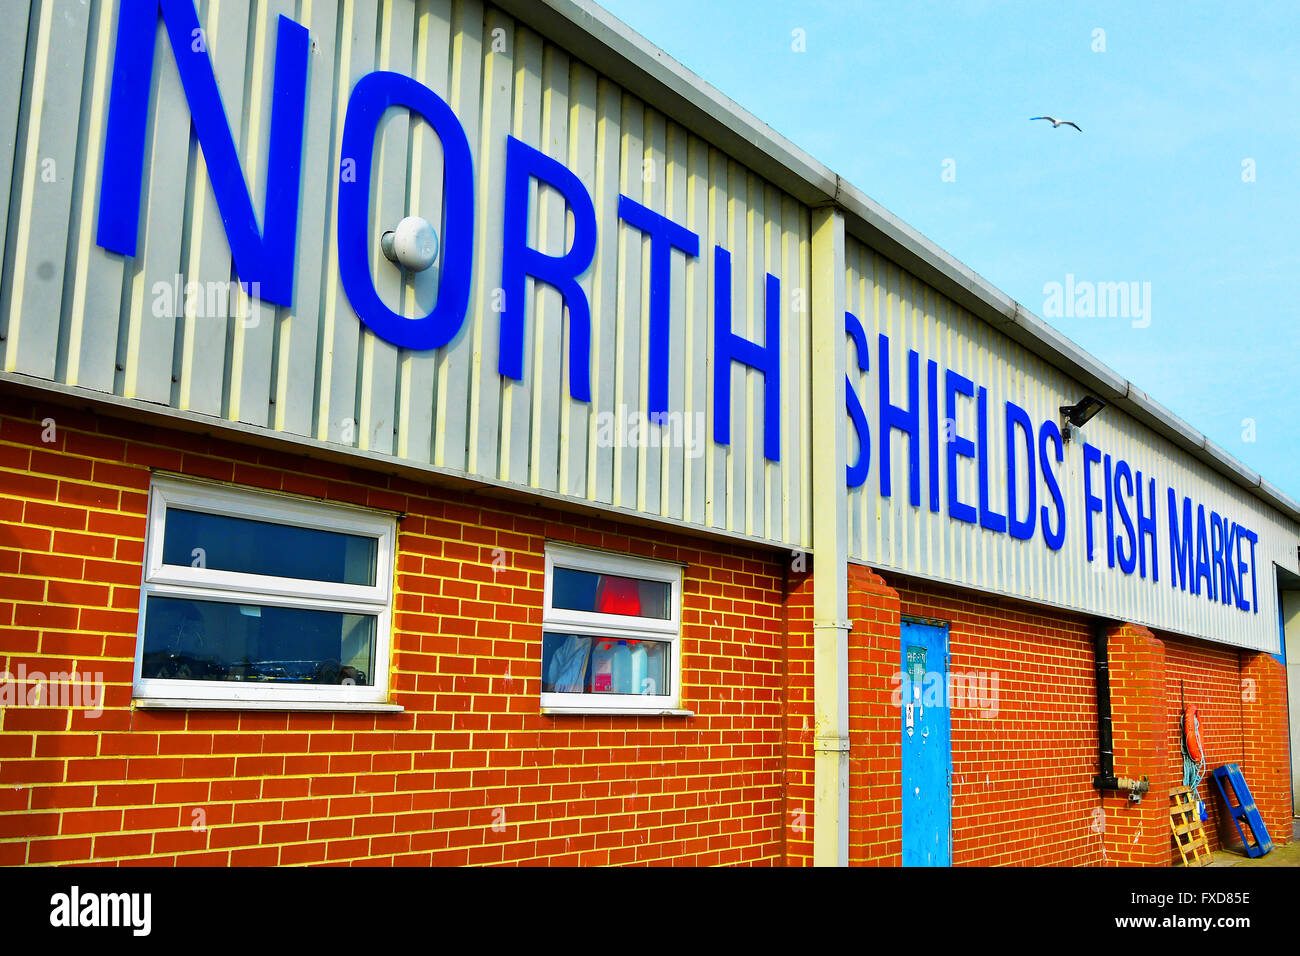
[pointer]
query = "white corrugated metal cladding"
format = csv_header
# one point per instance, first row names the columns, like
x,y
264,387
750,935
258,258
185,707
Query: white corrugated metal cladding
x,y
154,330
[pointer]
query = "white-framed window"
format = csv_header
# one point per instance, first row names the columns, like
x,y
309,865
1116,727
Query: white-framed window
x,y
255,598
611,632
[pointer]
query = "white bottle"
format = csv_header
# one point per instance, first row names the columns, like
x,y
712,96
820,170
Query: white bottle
x,y
639,671
602,668
656,681
622,671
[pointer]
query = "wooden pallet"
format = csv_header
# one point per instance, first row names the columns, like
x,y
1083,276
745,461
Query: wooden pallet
x,y
1185,824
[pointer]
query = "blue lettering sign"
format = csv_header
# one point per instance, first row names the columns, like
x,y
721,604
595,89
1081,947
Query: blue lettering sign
x,y
263,256
665,236
957,445
857,471
1017,420
729,347
1049,431
906,420
373,94
519,260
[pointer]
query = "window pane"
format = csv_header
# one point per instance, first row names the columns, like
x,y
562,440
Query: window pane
x,y
216,641
223,543
609,594
576,664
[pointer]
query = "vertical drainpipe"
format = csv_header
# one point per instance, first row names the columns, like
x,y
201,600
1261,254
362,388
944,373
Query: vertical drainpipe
x,y
1105,779
830,544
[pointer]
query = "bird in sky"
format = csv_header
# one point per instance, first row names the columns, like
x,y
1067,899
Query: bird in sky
x,y
1056,122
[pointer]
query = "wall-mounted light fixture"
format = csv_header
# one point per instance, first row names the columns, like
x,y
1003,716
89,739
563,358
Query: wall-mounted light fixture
x,y
413,245
1079,414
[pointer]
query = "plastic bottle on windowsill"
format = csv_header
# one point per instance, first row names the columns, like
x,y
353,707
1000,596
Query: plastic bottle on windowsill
x,y
622,671
654,682
638,662
602,668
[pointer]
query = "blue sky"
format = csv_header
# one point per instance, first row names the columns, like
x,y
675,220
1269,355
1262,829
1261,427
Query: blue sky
x,y
1152,191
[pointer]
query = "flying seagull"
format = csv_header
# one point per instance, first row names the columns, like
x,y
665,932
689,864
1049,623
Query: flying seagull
x,y
1056,122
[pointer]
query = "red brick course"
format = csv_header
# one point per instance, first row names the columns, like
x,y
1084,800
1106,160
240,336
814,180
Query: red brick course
x,y
1022,774
471,773
1210,678
1266,755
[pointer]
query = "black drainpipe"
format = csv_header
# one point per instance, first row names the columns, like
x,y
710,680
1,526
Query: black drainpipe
x,y
1106,779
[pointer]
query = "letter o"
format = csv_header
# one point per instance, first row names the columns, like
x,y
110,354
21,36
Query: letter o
x,y
372,95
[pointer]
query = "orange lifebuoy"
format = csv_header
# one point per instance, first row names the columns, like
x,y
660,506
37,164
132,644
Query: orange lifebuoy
x,y
1192,733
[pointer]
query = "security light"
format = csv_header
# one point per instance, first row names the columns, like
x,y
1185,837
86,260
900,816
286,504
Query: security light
x,y
413,245
1079,414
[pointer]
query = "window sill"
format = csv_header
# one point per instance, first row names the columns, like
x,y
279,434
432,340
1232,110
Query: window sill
x,y
199,703
615,712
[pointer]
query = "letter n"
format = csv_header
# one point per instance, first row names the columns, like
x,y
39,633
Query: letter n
x,y
263,256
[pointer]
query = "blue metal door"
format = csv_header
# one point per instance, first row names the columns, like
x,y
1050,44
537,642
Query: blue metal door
x,y
927,745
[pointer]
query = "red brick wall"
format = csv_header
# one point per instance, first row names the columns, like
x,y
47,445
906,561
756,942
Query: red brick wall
x,y
875,747
420,787
1210,678
733,784
799,720
1267,761
1241,702
1137,834
1022,777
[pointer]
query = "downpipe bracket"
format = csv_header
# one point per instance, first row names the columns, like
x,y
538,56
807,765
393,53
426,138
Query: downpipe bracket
x,y
1136,789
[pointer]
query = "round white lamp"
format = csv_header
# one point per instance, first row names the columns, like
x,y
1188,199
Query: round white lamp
x,y
413,245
